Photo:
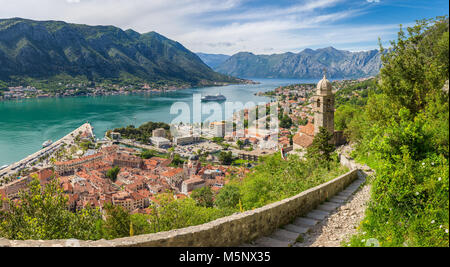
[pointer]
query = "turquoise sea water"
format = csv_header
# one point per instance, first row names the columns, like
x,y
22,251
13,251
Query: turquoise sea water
x,y
26,124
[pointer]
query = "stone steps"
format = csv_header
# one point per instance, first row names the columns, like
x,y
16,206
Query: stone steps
x,y
285,235
337,200
270,242
289,234
296,229
328,206
302,221
318,214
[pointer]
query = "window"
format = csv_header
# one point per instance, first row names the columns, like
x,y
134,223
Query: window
x,y
318,103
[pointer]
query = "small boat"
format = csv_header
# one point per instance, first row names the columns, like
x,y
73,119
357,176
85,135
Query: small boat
x,y
47,143
217,97
4,167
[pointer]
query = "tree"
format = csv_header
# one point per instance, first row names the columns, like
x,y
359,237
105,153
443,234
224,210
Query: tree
x,y
240,144
404,137
416,64
228,197
146,154
112,173
218,140
176,160
226,158
117,223
343,115
42,214
321,147
140,223
286,122
203,196
86,145
225,146
170,213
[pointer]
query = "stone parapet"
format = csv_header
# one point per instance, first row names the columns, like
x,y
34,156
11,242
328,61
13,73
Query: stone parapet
x,y
224,232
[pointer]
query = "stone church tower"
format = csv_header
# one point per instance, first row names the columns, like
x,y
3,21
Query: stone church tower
x,y
324,106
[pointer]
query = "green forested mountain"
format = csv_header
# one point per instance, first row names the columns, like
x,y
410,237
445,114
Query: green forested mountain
x,y
44,49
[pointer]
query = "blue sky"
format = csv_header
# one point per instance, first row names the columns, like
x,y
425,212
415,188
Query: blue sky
x,y
231,26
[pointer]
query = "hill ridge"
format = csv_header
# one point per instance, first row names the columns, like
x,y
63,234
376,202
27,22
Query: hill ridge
x,y
308,63
43,49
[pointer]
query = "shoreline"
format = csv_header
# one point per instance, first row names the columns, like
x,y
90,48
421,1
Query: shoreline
x,y
105,92
99,133
15,167
92,92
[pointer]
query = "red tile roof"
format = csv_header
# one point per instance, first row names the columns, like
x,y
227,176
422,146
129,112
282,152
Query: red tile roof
x,y
172,172
303,140
307,129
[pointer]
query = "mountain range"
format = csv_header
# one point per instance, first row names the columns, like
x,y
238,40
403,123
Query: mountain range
x,y
213,60
45,49
307,64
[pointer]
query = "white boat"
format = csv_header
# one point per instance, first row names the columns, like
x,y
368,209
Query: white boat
x,y
217,97
47,143
4,167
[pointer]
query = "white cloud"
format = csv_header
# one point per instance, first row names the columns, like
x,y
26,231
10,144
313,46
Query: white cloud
x,y
215,26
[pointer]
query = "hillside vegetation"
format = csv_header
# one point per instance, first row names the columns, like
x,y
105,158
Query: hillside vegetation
x,y
54,50
402,132
43,214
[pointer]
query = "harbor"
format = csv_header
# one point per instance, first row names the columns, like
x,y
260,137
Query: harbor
x,y
27,123
48,150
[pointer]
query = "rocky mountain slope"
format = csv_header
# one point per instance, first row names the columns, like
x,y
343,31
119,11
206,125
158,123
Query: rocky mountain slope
x,y
44,49
306,64
213,60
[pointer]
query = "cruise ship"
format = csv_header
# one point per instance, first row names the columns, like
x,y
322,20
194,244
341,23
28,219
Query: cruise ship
x,y
47,143
217,97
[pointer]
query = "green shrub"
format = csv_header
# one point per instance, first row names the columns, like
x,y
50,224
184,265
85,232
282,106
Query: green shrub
x,y
404,136
43,214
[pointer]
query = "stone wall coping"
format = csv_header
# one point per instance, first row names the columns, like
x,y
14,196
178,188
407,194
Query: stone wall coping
x,y
162,238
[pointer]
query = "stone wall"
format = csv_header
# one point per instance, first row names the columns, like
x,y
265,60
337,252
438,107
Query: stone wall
x,y
228,231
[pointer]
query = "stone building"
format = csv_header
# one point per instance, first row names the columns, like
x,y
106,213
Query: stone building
x,y
323,107
71,166
191,184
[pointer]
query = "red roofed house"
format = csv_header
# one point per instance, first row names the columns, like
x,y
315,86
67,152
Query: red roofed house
x,y
304,137
192,184
174,176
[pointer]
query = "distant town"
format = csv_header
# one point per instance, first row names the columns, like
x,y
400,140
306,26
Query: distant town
x,y
24,92
129,172
63,89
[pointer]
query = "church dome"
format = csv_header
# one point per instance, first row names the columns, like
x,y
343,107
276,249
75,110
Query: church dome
x,y
324,86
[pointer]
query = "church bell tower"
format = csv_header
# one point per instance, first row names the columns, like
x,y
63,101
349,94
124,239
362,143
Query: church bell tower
x,y
324,106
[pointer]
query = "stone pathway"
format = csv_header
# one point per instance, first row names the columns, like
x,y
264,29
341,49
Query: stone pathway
x,y
327,225
341,224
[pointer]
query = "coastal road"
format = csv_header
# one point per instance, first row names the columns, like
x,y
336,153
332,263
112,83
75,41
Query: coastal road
x,y
68,139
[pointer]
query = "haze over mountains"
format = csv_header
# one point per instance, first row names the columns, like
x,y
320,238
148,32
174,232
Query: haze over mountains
x,y
43,49
306,64
213,60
